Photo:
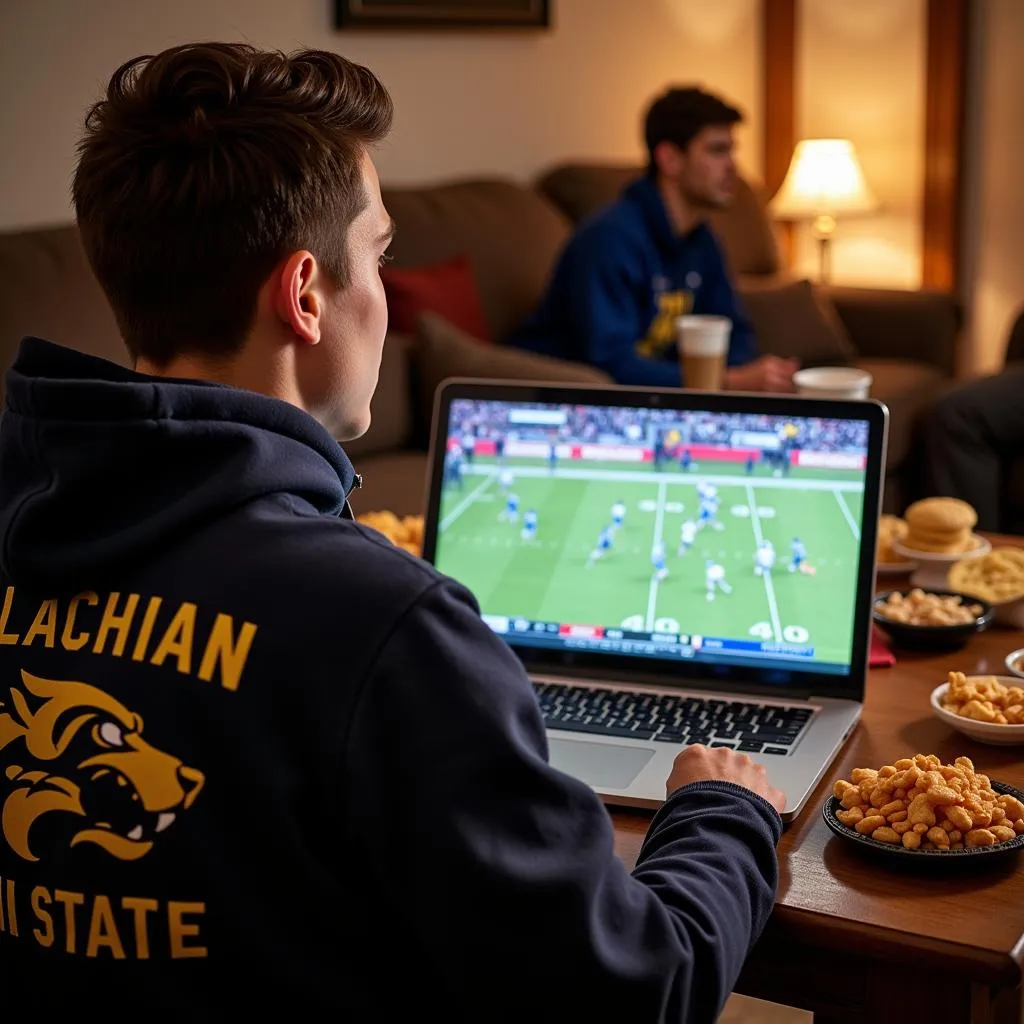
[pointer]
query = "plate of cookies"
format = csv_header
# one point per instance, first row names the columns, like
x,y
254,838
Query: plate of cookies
x,y
918,807
888,562
940,531
989,709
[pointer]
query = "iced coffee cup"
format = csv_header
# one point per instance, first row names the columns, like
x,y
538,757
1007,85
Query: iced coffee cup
x,y
703,349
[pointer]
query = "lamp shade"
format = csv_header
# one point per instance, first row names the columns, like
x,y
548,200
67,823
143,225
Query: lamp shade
x,y
824,177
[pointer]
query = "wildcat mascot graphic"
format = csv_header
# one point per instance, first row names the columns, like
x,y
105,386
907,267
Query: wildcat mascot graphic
x,y
73,756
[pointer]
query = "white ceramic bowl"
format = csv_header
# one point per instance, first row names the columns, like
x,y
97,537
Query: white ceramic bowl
x,y
983,732
833,382
1015,663
933,567
1010,613
981,547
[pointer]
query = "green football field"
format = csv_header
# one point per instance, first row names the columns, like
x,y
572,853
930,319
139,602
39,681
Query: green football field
x,y
548,579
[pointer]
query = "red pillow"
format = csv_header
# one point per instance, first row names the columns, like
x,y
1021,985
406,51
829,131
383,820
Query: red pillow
x,y
447,289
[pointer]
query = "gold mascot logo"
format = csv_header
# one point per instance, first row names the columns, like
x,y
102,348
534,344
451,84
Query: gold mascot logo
x,y
81,753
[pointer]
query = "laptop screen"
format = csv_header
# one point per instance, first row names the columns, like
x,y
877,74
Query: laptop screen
x,y
699,535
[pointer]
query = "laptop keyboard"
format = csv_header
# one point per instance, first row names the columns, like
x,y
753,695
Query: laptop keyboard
x,y
747,727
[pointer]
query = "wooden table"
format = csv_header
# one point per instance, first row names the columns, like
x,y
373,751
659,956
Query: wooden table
x,y
854,940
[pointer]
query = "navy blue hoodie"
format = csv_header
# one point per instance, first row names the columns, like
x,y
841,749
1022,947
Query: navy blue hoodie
x,y
619,285
251,752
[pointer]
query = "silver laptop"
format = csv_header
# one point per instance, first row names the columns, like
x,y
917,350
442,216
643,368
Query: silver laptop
x,y
672,567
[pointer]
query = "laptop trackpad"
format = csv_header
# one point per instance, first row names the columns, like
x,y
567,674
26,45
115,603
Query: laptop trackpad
x,y
600,765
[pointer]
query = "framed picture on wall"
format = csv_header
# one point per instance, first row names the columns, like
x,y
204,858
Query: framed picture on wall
x,y
442,13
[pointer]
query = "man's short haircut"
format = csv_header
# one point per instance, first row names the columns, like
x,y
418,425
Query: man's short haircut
x,y
680,114
205,166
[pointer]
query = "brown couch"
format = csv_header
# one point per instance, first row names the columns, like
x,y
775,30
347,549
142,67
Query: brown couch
x,y
511,234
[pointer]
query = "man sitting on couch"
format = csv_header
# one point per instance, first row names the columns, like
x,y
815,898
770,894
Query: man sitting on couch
x,y
630,270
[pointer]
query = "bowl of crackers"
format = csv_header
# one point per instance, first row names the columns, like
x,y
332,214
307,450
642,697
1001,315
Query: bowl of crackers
x,y
996,577
404,532
930,619
989,709
919,807
887,560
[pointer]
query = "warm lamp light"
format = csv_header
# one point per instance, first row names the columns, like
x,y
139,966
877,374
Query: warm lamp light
x,y
824,181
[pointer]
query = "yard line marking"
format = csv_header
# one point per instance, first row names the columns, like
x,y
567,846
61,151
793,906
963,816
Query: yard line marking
x,y
659,523
466,502
849,515
646,476
769,587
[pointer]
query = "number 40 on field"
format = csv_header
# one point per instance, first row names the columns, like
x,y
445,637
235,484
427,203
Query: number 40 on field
x,y
791,634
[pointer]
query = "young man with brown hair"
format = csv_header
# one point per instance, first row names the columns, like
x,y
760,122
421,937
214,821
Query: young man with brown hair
x,y
632,268
250,752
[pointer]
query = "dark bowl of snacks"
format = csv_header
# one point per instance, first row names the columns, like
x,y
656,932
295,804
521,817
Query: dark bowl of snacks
x,y
930,620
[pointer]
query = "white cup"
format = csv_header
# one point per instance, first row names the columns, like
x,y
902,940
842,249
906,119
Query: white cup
x,y
703,347
833,382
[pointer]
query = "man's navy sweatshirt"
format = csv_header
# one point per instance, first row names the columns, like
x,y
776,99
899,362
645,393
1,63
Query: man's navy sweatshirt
x,y
250,753
619,285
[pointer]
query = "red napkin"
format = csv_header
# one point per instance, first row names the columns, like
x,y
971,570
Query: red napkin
x,y
879,656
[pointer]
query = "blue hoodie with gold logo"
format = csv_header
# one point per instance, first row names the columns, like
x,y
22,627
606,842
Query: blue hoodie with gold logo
x,y
618,286
252,754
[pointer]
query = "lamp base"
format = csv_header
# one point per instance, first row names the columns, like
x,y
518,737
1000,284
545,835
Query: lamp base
x,y
824,228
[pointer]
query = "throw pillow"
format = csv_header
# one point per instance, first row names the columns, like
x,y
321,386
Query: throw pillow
x,y
448,289
440,350
794,320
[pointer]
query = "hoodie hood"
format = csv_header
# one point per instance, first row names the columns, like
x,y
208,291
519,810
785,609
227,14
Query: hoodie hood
x,y
101,466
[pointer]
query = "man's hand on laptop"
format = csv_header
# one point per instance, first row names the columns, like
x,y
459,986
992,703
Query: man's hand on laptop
x,y
769,373
722,764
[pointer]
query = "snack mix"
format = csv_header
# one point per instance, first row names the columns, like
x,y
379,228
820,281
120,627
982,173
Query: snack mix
x,y
984,699
995,577
406,532
920,608
890,528
923,804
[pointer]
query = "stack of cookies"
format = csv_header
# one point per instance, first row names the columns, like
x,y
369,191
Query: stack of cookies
x,y
941,526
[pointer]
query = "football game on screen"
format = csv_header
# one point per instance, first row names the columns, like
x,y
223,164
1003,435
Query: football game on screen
x,y
651,531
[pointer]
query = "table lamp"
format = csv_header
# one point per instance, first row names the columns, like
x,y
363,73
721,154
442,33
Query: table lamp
x,y
824,181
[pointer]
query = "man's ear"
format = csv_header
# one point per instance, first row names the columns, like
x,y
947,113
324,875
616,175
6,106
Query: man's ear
x,y
669,158
298,300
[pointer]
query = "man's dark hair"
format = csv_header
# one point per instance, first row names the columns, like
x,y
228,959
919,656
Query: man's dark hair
x,y
680,114
206,165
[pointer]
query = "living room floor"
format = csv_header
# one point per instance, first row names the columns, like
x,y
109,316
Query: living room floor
x,y
744,1010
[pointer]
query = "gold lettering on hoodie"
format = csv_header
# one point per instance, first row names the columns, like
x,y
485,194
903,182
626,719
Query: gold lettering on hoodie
x,y
213,647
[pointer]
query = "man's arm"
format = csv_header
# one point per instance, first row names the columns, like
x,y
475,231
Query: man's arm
x,y
502,870
605,282
722,299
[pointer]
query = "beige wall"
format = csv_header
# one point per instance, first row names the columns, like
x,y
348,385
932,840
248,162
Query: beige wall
x,y
993,223
861,75
467,103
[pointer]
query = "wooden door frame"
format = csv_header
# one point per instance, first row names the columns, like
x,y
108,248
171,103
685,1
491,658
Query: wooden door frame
x,y
946,51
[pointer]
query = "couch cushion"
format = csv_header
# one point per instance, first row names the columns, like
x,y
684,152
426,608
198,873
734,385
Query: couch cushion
x,y
447,288
391,408
510,234
441,351
908,389
744,228
793,319
47,288
396,481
